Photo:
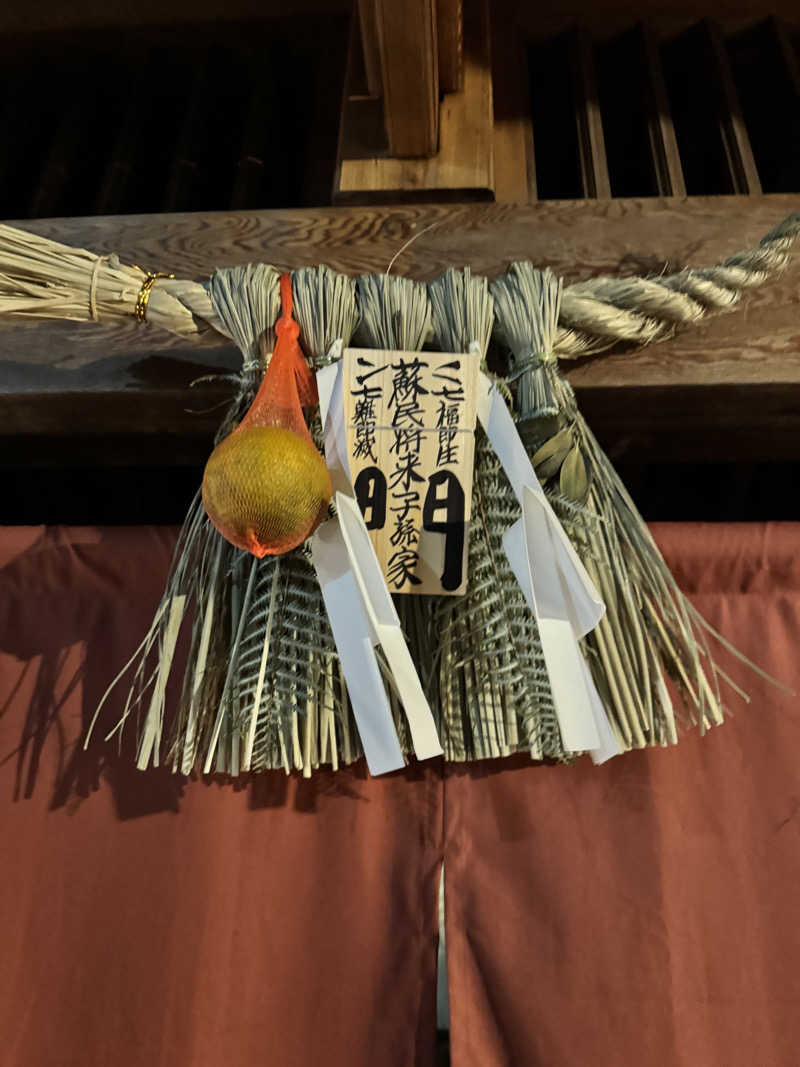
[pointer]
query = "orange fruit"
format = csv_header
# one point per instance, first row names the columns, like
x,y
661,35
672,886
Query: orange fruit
x,y
266,489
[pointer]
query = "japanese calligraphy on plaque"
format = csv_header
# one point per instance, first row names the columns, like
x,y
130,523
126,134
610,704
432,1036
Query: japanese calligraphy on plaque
x,y
410,420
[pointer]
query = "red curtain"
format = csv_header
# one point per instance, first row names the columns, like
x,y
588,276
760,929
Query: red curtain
x,y
643,911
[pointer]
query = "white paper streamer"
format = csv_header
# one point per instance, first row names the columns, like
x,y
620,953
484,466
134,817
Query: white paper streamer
x,y
355,645
555,584
360,607
386,626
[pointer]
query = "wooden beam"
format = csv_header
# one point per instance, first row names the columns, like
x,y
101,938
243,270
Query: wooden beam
x,y
661,130
765,68
727,389
463,166
514,161
450,33
734,132
362,129
591,142
370,47
22,16
406,31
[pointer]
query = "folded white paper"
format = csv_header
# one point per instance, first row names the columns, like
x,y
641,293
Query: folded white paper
x,y
383,617
331,409
355,642
609,744
360,607
501,430
555,584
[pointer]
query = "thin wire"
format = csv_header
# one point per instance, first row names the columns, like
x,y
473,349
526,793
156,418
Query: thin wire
x,y
410,241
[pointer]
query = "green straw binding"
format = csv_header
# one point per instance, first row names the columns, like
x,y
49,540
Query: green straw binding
x,y
528,308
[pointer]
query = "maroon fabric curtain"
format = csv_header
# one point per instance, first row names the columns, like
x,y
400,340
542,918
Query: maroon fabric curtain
x,y
643,911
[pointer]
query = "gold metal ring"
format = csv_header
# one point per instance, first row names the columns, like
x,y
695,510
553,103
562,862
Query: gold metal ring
x,y
140,311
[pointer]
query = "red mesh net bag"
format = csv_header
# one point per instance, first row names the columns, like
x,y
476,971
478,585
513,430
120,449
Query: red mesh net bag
x,y
266,487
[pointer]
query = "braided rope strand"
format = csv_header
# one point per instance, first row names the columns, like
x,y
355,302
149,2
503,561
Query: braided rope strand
x,y
601,311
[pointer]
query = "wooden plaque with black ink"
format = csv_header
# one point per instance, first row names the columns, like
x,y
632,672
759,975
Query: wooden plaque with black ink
x,y
410,420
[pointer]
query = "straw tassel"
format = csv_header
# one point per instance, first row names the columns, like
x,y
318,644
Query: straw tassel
x,y
395,315
263,687
648,629
490,644
289,711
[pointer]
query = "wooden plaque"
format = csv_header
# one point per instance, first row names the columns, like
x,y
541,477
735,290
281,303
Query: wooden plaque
x,y
410,420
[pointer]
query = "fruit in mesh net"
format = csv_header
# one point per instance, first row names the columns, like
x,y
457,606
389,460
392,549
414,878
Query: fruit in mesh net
x,y
266,488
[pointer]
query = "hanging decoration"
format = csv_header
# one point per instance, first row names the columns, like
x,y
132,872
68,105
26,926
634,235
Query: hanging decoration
x,y
266,487
410,435
463,573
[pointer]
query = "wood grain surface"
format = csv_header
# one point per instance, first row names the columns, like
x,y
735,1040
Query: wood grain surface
x,y
370,47
591,140
409,62
450,34
726,389
463,164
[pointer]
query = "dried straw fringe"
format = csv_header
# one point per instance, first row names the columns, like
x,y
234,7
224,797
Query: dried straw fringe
x,y
649,629
493,691
227,712
289,681
262,688
42,279
488,683
395,315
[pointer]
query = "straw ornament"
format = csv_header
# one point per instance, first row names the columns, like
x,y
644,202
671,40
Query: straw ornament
x,y
493,689
266,487
264,685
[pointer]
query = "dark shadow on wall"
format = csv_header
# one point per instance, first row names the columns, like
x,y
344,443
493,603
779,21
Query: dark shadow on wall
x,y
73,607
59,620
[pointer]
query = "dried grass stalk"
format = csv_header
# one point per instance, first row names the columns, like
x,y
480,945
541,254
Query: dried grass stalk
x,y
42,279
395,314
493,690
262,688
649,630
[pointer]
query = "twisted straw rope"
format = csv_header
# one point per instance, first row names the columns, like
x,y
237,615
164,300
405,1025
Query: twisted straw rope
x,y
40,278
597,313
